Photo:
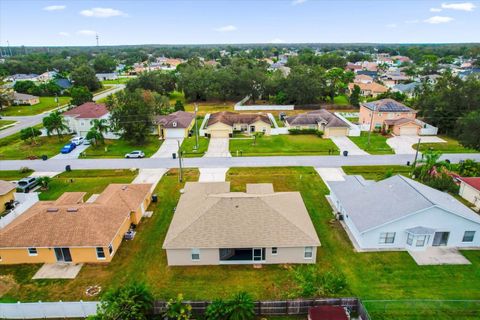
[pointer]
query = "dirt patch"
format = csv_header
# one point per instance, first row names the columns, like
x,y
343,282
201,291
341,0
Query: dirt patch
x,y
7,283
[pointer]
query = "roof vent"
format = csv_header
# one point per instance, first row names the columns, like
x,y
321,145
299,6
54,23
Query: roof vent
x,y
72,210
52,210
174,123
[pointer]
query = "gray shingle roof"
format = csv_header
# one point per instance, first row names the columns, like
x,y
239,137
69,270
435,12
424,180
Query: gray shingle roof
x,y
387,105
178,119
377,203
315,117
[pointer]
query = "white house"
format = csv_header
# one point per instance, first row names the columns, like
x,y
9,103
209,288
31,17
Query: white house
x,y
79,118
470,190
106,76
401,214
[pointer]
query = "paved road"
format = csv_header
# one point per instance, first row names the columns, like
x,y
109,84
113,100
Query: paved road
x,y
150,163
29,121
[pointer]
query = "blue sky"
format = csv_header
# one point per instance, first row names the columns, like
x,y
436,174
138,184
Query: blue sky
x,y
237,21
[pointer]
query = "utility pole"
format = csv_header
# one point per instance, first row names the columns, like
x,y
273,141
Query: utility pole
x,y
370,131
180,174
196,127
416,153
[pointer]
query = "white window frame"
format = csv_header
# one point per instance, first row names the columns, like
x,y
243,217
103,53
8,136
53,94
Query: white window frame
x,y
473,236
410,239
32,254
420,242
306,252
386,235
274,251
103,251
110,249
195,252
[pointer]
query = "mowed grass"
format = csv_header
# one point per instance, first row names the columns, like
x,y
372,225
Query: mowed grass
x,y
450,146
5,123
14,148
286,144
116,81
13,175
189,144
377,172
89,181
370,276
46,104
117,148
378,143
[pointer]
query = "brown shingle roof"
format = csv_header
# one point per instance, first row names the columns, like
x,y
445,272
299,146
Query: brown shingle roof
x,y
400,121
316,117
178,119
88,110
5,187
70,222
230,118
373,87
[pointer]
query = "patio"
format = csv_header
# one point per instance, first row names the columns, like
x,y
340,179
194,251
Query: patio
x,y
438,256
58,271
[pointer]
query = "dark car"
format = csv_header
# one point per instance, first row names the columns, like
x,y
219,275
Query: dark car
x,y
68,148
26,184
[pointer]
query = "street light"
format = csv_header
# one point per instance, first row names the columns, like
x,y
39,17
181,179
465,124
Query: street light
x,y
180,176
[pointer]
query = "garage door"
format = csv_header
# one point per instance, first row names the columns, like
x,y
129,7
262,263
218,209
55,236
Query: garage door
x,y
174,133
336,132
219,133
408,131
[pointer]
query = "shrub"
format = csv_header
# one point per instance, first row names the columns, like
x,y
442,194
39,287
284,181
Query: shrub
x,y
217,310
239,307
25,170
311,282
176,309
304,131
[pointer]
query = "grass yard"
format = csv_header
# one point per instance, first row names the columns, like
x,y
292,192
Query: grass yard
x,y
189,144
371,276
118,148
378,143
46,104
377,172
13,175
5,123
450,146
285,144
341,100
90,181
116,81
13,148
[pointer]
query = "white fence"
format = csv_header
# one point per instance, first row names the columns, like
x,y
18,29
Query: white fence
x,y
201,130
427,129
239,106
354,130
47,310
26,200
276,130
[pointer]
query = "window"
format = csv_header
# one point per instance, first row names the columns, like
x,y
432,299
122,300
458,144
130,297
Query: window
x,y
410,239
82,123
387,237
421,241
32,252
110,249
274,251
100,253
468,236
195,254
308,254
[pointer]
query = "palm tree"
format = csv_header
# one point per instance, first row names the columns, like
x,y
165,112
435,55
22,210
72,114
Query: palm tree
x,y
55,122
94,135
242,307
100,126
429,164
44,182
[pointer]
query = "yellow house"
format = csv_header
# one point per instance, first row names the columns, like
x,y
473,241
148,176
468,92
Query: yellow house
x,y
25,99
69,230
223,124
7,190
175,125
321,120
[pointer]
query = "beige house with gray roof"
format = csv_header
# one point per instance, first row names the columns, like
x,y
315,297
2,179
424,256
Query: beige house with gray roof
x,y
213,226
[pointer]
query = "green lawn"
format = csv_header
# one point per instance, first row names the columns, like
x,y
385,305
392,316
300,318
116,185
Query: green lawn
x,y
450,146
46,104
352,119
377,172
378,143
12,147
189,144
371,276
90,181
119,147
4,123
117,81
12,175
341,100
285,144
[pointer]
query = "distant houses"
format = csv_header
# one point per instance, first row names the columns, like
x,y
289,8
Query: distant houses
x,y
106,76
22,99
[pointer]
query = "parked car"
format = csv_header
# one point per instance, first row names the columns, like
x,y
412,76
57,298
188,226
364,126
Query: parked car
x,y
68,148
78,140
26,184
135,154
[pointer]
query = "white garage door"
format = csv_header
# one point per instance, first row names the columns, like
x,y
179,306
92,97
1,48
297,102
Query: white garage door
x,y
408,131
219,133
174,133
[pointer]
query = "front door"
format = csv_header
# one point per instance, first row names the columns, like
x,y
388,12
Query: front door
x,y
63,255
252,129
440,239
257,254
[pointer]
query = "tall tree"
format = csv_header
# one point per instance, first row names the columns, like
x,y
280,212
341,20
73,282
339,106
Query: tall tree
x,y
355,96
101,126
84,76
80,95
104,63
338,80
469,130
29,133
55,122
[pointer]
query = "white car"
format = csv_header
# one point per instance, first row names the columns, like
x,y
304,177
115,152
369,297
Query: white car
x,y
135,154
77,140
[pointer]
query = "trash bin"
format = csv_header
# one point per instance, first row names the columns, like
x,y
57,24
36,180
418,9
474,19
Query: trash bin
x,y
44,157
174,155
68,168
408,163
345,153
154,198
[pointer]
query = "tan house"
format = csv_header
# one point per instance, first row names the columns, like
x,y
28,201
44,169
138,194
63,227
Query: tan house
x,y
25,99
68,230
470,190
387,114
322,120
7,193
213,226
223,124
369,89
175,125
363,78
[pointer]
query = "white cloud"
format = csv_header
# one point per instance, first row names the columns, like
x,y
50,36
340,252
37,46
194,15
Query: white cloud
x,y
64,34
391,25
228,28
276,40
297,2
435,9
464,6
438,19
102,13
86,32
54,8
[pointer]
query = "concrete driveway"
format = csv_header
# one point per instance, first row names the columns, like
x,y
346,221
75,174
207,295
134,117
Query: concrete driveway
x,y
212,174
152,176
404,144
75,154
218,147
168,147
344,143
331,174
